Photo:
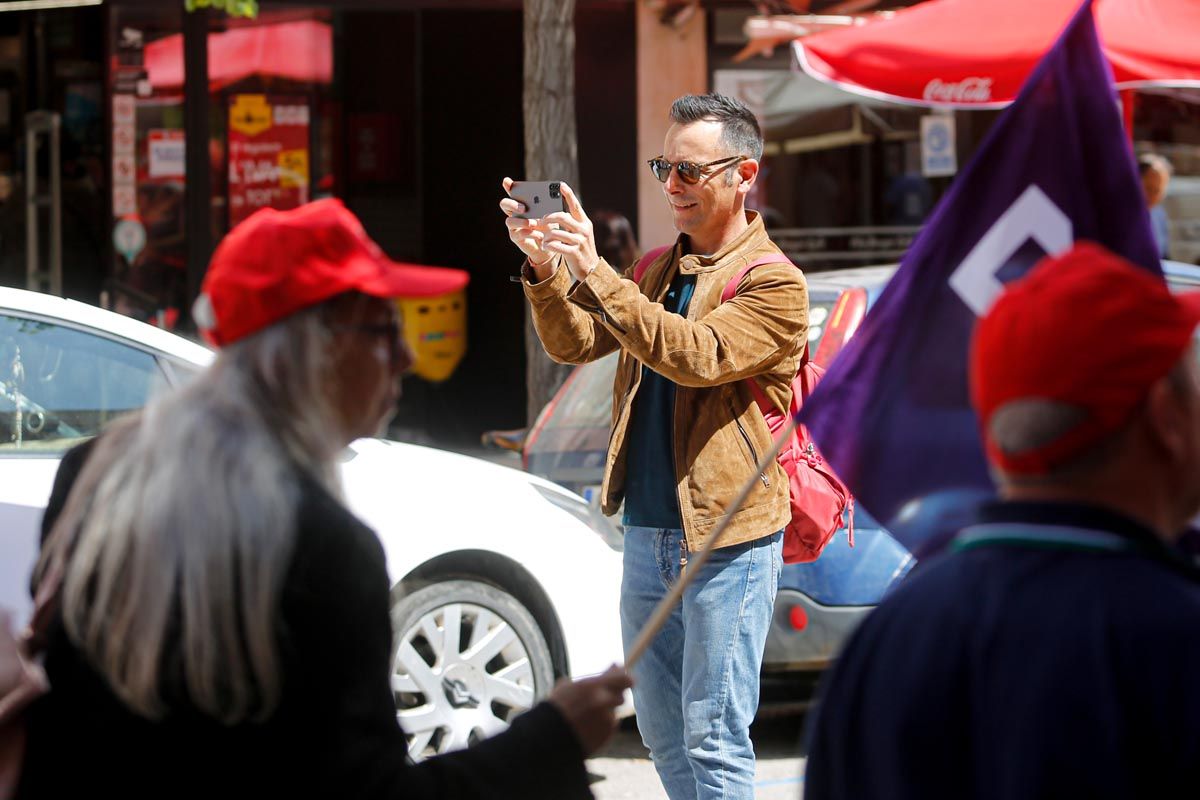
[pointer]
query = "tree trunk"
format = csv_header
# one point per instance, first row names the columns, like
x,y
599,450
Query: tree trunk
x,y
551,151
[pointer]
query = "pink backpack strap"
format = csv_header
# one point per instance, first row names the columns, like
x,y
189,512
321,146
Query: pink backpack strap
x,y
731,288
768,408
646,260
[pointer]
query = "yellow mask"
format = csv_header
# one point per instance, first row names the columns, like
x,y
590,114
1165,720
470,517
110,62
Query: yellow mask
x,y
436,330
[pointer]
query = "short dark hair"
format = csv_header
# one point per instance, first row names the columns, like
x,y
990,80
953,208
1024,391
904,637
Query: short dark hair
x,y
739,127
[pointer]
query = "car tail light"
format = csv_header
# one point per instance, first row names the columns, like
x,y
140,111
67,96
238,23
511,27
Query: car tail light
x,y
798,618
844,319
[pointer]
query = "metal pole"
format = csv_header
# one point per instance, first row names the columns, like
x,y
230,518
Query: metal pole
x,y
49,279
32,215
55,266
198,172
39,124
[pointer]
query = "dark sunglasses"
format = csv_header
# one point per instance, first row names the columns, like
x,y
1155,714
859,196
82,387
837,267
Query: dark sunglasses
x,y
689,171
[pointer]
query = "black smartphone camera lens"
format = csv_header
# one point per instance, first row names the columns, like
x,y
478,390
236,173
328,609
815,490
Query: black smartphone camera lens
x,y
554,192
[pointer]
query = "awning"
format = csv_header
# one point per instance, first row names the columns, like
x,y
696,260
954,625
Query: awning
x,y
301,51
800,114
977,53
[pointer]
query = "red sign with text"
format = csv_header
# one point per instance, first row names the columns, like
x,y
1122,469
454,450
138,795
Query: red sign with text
x,y
268,154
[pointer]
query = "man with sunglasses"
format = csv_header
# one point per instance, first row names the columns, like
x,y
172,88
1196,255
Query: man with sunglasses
x,y
687,433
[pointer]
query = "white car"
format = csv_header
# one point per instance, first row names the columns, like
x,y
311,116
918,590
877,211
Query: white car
x,y
502,582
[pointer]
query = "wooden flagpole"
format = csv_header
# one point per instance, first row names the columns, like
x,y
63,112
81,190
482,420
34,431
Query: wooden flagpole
x,y
696,560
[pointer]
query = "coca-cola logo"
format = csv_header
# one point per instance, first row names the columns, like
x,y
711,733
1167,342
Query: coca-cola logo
x,y
968,90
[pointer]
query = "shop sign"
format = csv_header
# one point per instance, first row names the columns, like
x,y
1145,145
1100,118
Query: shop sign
x,y
124,200
968,90
124,167
166,151
124,170
129,238
268,154
131,40
938,156
124,108
234,8
249,114
123,140
132,80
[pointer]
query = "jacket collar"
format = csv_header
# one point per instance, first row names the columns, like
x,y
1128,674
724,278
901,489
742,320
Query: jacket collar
x,y
997,514
749,240
1066,514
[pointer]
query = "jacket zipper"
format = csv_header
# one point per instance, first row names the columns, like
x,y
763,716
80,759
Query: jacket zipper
x,y
762,476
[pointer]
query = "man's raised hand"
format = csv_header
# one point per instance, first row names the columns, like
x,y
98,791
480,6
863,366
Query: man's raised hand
x,y
569,234
527,234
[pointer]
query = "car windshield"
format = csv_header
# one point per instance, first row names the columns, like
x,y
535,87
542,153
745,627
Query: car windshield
x,y
60,385
580,419
819,308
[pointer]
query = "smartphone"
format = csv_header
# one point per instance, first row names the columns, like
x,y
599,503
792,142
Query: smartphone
x,y
539,198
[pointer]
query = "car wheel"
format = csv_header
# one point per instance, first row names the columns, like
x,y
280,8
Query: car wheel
x,y
468,659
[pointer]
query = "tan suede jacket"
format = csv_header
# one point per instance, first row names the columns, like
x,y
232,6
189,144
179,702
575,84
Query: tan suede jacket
x,y
719,432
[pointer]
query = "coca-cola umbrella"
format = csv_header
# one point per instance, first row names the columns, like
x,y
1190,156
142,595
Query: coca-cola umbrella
x,y
301,50
977,53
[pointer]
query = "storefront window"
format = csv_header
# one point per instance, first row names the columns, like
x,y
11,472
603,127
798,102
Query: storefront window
x,y
51,76
148,278
268,78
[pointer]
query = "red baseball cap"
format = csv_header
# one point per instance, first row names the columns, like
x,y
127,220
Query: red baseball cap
x,y
1087,329
276,263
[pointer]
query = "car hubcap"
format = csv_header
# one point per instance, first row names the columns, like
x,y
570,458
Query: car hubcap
x,y
460,674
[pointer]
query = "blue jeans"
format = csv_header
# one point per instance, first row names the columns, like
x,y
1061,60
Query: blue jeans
x,y
696,688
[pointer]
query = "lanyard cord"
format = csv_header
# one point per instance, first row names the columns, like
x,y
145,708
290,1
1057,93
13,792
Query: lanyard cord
x,y
1068,539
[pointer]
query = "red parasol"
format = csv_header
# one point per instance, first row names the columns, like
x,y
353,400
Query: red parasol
x,y
977,53
301,51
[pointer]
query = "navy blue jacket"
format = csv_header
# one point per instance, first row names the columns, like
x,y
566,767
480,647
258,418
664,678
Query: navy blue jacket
x,y
1013,670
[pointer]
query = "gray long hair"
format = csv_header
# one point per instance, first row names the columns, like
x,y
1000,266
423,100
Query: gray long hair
x,y
177,534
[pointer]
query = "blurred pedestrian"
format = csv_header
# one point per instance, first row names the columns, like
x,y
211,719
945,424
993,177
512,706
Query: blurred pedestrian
x,y
615,242
224,619
1054,652
687,432
1156,177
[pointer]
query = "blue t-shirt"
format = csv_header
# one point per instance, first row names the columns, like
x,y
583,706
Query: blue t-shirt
x,y
650,495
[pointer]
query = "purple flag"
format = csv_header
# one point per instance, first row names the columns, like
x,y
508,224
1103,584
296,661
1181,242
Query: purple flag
x,y
892,414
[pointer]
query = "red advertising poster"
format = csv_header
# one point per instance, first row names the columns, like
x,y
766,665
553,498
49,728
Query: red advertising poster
x,y
268,154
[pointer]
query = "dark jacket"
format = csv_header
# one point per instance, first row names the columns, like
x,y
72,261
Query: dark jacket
x,y
334,733
1021,670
